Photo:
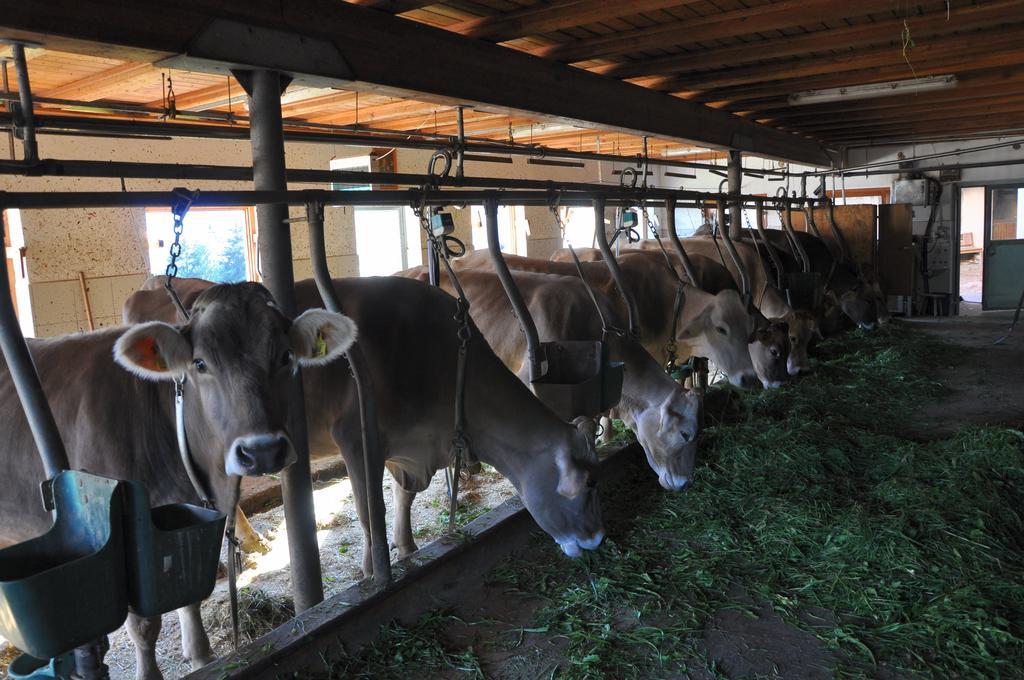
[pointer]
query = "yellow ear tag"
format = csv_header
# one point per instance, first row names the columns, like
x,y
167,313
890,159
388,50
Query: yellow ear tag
x,y
321,345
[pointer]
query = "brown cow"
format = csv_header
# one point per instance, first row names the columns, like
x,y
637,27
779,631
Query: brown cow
x,y
546,459
772,344
237,354
715,326
662,414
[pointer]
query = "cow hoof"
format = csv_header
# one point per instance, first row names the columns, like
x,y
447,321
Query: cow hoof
x,y
201,661
256,544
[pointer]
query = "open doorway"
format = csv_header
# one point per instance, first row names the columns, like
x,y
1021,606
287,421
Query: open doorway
x,y
217,244
972,243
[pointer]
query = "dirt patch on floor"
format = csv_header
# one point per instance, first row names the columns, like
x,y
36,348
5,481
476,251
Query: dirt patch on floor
x,y
266,582
983,382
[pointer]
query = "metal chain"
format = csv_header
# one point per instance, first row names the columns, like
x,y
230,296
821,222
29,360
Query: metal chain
x,y
179,209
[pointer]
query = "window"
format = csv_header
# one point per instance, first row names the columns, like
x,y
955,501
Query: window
x,y
579,227
386,240
217,244
356,163
688,221
1007,214
866,196
511,238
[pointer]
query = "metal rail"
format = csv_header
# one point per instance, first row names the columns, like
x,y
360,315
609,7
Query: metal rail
x,y
612,195
380,555
26,381
741,267
613,267
393,139
670,208
519,308
133,170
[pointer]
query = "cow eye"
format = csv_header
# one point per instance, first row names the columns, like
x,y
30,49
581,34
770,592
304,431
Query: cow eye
x,y
792,338
722,330
200,365
287,357
774,352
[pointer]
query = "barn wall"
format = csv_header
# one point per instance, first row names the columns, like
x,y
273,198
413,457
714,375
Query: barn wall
x,y
110,246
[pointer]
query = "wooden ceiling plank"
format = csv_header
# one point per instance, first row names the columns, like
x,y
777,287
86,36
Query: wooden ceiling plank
x,y
744,21
554,16
982,59
887,31
100,85
945,50
394,6
387,55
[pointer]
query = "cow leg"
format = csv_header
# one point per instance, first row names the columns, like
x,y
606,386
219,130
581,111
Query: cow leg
x,y
357,477
403,520
144,633
248,537
194,642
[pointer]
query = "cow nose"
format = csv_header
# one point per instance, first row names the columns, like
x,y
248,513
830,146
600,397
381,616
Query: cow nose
x,y
260,454
594,541
869,325
688,436
671,482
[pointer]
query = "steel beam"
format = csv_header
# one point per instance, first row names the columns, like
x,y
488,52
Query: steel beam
x,y
339,44
735,178
275,248
336,135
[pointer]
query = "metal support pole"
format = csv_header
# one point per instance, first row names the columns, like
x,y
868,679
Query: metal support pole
x,y
613,267
670,210
26,381
519,308
735,177
9,106
28,121
460,153
275,250
363,378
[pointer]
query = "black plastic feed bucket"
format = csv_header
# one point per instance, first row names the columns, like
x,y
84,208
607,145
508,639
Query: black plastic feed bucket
x,y
173,555
66,588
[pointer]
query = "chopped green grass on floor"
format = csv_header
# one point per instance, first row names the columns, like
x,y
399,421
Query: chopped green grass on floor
x,y
806,499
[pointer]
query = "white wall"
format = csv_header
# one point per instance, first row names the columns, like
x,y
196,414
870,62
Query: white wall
x,y
110,246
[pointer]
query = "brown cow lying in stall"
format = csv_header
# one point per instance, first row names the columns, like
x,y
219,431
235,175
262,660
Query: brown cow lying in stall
x,y
656,408
716,326
111,395
776,315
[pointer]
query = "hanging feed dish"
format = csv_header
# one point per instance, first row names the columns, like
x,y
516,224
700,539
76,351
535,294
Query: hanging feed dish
x,y
76,568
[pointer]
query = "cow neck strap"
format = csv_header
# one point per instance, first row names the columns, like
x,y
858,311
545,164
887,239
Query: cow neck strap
x,y
670,346
183,449
234,555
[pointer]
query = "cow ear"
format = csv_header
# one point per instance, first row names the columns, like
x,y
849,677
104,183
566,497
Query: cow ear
x,y
319,337
153,351
573,477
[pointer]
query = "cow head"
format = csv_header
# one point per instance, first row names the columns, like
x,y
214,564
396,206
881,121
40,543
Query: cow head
x,y
769,348
668,435
803,329
726,325
858,306
236,354
565,504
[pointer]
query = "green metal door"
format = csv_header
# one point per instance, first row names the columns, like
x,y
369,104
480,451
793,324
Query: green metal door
x,y
1003,269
